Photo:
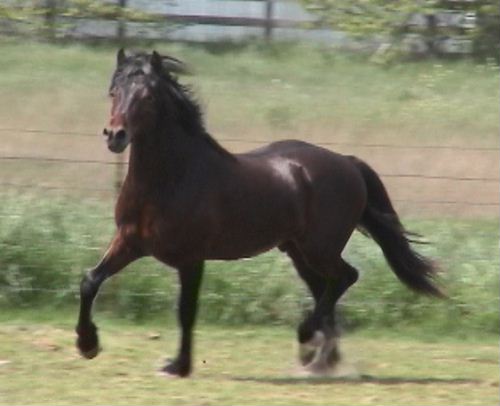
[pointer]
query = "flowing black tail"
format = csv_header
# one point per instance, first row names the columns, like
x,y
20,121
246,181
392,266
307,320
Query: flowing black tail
x,y
382,223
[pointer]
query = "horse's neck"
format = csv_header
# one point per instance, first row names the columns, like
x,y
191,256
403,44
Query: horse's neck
x,y
162,160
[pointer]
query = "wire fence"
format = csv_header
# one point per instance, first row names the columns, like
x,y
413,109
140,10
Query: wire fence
x,y
118,164
49,159
264,141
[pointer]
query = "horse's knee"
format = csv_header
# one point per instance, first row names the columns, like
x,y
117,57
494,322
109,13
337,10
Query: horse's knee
x,y
352,274
88,285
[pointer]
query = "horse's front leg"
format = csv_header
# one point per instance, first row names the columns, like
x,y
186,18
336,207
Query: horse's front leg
x,y
190,280
116,258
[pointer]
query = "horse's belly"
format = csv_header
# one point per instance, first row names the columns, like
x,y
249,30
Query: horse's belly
x,y
248,239
180,253
241,249
233,228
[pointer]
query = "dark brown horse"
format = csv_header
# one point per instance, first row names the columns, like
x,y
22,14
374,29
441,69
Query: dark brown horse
x,y
186,200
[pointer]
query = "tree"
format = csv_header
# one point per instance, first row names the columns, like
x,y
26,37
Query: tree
x,y
362,18
487,34
47,15
389,19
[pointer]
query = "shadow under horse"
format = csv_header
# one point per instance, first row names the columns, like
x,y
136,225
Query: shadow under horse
x,y
186,199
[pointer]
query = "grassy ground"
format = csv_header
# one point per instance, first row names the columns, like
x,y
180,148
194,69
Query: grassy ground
x,y
247,365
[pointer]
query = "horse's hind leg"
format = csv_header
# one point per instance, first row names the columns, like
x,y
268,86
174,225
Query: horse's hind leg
x,y
116,258
339,277
309,340
328,281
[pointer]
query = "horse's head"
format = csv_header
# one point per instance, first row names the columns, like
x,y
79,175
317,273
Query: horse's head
x,y
133,93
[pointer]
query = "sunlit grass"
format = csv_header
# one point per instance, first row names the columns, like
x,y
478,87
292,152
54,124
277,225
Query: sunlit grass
x,y
39,365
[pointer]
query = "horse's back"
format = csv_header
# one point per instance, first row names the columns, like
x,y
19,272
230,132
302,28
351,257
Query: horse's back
x,y
319,165
300,151
277,147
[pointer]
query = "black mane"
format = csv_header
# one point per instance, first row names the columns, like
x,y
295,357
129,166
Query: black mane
x,y
187,108
189,112
176,100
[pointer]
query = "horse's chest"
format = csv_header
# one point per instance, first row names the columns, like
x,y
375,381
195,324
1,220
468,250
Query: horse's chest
x,y
167,235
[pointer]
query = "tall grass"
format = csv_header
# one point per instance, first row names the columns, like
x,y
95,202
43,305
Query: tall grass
x,y
46,245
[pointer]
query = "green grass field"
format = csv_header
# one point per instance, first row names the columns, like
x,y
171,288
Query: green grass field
x,y
405,350
244,365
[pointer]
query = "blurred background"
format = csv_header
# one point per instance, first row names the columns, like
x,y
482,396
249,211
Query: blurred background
x,y
410,87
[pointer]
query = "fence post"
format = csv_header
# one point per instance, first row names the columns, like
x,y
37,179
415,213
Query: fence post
x,y
268,32
50,19
121,31
119,171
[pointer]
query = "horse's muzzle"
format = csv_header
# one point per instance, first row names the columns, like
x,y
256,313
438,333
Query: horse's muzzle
x,y
117,140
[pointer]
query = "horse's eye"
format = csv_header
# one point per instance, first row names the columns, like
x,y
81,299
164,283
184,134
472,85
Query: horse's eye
x,y
112,93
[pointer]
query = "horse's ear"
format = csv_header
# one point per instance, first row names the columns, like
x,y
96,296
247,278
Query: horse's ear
x,y
168,64
175,66
120,57
156,61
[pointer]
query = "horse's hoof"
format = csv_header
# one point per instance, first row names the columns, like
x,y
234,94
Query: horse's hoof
x,y
307,353
334,357
88,344
309,349
176,368
90,353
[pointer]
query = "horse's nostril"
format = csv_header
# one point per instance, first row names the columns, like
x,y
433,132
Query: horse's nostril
x,y
120,135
